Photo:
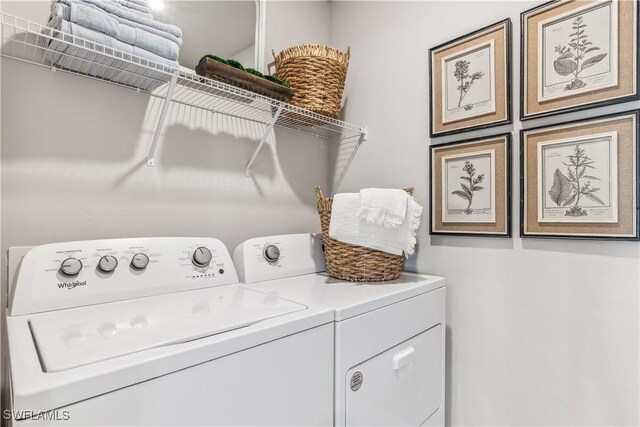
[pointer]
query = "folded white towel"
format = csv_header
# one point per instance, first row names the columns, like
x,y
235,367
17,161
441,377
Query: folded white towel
x,y
383,206
346,226
62,52
155,41
136,7
129,17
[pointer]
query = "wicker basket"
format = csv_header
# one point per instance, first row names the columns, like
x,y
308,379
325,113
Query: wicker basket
x,y
316,73
351,262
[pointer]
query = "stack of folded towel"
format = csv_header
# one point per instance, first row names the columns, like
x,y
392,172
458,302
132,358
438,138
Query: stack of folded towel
x,y
382,219
124,25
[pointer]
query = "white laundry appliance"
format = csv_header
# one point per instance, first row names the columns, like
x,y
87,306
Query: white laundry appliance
x,y
156,331
389,336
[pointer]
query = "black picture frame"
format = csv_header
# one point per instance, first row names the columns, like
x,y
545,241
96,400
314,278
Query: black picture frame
x,y
508,76
595,104
508,192
522,147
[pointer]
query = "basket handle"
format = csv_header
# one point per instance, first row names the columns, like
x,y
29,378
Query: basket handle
x,y
271,66
319,194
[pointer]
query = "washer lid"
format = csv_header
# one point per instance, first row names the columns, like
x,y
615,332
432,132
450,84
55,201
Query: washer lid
x,y
74,337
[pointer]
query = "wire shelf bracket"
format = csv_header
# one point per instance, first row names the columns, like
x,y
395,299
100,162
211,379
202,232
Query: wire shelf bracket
x,y
267,132
165,107
364,134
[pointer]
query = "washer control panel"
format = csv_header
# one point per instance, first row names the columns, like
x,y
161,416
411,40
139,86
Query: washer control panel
x,y
276,257
73,274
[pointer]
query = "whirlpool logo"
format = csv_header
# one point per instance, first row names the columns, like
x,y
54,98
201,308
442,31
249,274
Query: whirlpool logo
x,y
71,285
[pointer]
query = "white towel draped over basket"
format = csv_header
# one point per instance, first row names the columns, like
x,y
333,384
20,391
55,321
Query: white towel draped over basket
x,y
379,219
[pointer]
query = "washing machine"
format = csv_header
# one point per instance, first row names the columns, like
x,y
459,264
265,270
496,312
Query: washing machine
x,y
389,361
157,331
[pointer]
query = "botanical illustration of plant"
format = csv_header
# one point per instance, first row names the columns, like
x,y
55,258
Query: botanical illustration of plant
x,y
465,80
569,189
471,185
571,59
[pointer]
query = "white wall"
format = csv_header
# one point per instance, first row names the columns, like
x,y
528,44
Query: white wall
x,y
246,56
296,22
73,157
540,332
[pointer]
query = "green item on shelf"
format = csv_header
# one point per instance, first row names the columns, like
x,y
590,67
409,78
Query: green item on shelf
x,y
215,58
276,80
254,72
235,64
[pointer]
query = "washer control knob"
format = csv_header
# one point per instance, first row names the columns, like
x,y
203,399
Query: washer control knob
x,y
202,257
71,266
271,253
107,264
140,261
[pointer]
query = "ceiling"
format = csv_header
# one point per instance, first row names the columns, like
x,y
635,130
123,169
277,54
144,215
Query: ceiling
x,y
222,28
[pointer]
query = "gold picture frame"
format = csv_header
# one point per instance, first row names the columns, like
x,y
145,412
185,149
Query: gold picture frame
x,y
470,81
580,179
578,54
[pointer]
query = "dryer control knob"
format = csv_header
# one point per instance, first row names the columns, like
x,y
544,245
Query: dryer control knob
x,y
271,253
201,257
140,261
107,263
71,266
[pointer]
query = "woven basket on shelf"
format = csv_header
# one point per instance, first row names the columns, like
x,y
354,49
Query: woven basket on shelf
x,y
316,73
351,262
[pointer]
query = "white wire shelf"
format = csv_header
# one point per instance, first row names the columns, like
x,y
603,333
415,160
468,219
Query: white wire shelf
x,y
27,41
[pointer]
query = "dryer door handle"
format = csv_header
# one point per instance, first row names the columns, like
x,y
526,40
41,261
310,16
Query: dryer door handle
x,y
403,358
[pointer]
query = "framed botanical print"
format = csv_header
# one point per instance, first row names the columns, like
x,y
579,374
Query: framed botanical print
x,y
471,187
470,81
580,179
578,54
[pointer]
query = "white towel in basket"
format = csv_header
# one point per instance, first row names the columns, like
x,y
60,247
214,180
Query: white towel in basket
x,y
346,226
383,206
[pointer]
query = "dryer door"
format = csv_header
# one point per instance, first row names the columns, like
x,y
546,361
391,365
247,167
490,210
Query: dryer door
x,y
401,386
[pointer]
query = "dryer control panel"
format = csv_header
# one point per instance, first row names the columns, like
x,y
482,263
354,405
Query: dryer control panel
x,y
73,274
277,257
